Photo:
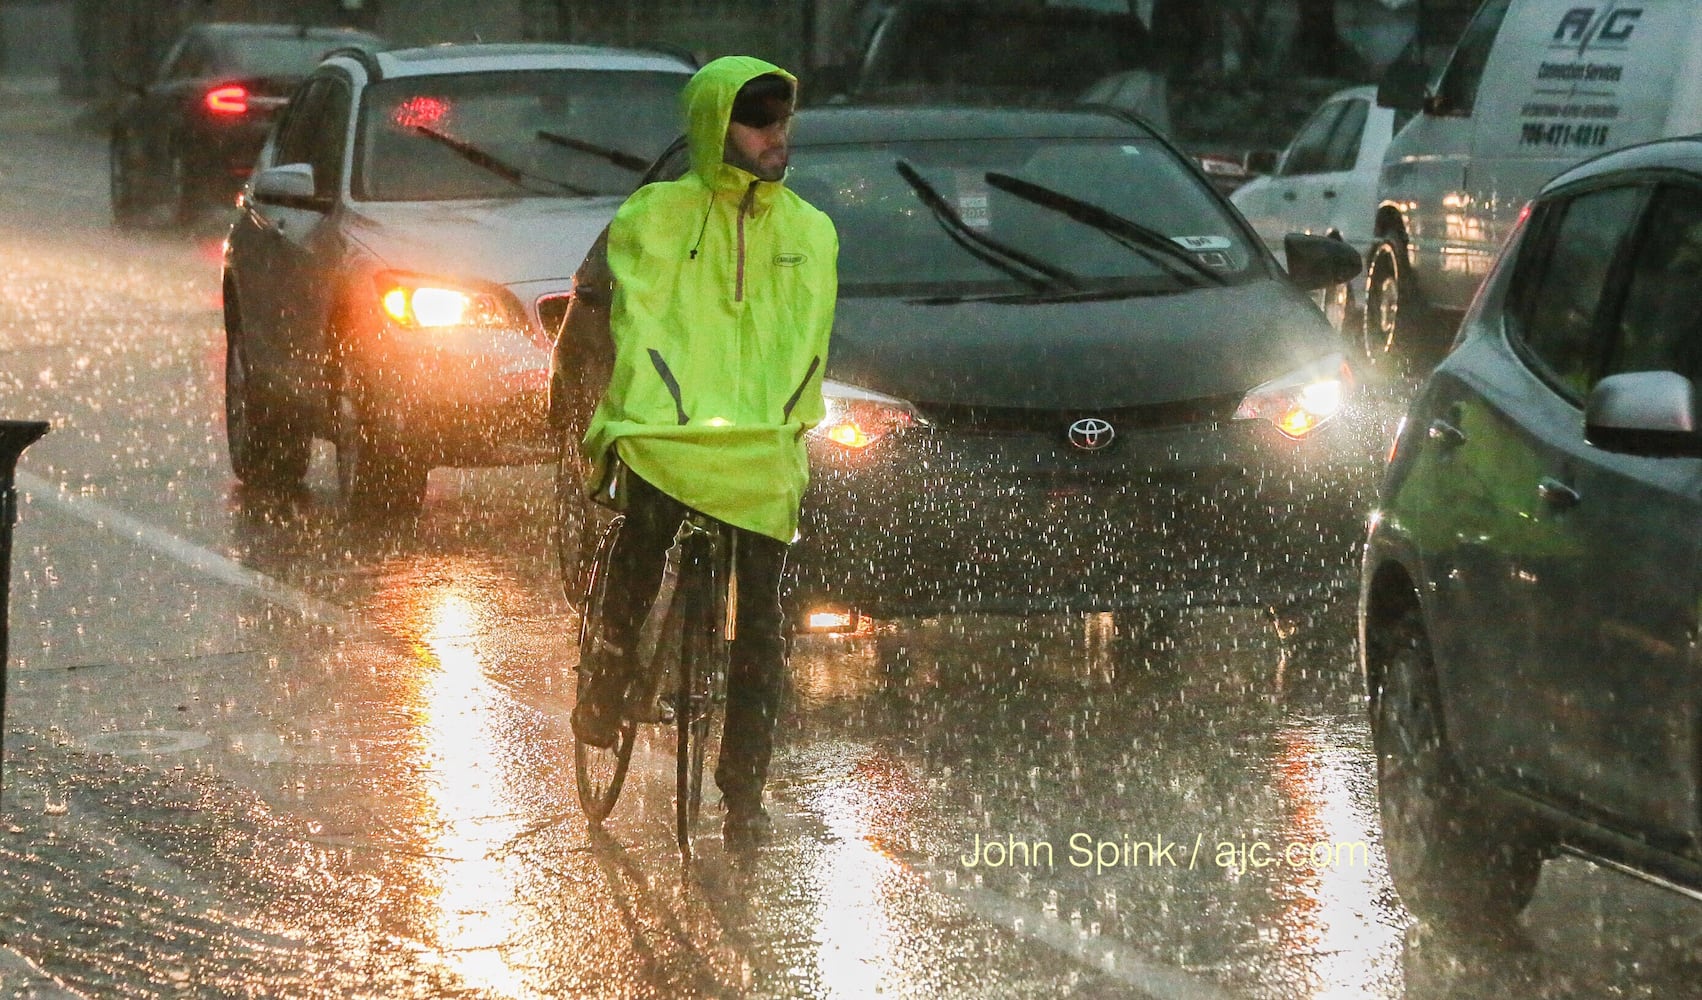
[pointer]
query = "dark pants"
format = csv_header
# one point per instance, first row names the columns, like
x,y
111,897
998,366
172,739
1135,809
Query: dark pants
x,y
758,659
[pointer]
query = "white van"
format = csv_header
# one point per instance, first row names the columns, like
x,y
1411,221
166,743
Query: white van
x,y
1532,87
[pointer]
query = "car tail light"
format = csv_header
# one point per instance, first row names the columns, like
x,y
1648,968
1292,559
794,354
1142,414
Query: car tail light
x,y
231,100
857,418
1303,400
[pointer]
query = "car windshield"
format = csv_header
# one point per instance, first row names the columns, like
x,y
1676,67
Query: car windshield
x,y
282,55
511,134
1026,196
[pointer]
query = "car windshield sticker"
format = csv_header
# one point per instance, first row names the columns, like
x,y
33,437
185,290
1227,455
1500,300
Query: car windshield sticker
x,y
972,201
1200,243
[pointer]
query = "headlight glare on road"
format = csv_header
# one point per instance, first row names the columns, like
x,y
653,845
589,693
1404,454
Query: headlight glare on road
x,y
857,418
1303,400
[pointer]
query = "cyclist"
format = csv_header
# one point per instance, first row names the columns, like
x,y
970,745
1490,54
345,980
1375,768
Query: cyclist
x,y
724,284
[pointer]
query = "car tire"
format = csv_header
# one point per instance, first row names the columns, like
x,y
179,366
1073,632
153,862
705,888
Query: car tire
x,y
1455,860
1394,316
180,193
374,474
267,449
129,208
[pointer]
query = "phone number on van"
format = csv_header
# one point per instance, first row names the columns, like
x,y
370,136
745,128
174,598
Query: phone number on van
x,y
1563,134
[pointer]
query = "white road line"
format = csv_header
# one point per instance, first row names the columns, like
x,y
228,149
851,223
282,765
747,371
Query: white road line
x,y
179,550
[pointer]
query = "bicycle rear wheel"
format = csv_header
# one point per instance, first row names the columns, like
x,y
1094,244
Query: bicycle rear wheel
x,y
599,771
702,675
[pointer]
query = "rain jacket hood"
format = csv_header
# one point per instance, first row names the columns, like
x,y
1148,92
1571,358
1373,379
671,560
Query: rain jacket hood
x,y
724,289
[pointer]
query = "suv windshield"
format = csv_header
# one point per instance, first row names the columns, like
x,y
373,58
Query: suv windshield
x,y
893,242
511,134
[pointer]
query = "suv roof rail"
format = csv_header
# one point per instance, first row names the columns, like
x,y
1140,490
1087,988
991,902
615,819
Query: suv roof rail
x,y
365,56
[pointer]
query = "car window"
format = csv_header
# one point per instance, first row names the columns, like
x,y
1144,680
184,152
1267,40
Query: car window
x,y
1560,281
188,61
1343,150
1660,324
1456,91
512,133
1308,153
327,137
890,241
296,133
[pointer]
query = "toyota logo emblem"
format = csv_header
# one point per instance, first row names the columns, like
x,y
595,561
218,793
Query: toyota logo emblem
x,y
1091,434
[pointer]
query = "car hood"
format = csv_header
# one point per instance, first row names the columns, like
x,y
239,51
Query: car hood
x,y
502,241
1079,355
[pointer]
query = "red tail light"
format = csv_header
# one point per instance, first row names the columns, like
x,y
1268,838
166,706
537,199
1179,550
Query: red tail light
x,y
231,100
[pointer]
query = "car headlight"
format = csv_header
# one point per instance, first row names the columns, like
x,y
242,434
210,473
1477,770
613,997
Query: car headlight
x,y
423,303
1303,400
857,418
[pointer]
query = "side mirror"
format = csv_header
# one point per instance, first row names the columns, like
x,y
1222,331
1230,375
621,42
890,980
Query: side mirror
x,y
1405,83
290,185
1316,262
1261,161
1644,413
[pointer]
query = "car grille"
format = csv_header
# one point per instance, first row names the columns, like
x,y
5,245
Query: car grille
x,y
552,311
998,420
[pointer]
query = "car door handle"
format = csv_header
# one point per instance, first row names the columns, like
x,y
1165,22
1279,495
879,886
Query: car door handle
x,y
1289,196
1446,434
1329,193
1557,494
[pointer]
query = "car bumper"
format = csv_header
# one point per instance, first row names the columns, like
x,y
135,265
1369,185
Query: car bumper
x,y
1228,513
462,397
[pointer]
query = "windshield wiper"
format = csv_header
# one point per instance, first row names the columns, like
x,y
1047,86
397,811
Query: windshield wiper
x,y
1126,232
619,157
500,167
1041,276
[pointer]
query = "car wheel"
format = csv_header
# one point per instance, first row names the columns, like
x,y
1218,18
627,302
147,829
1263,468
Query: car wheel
x,y
1393,314
266,447
1454,861
128,206
180,192
374,474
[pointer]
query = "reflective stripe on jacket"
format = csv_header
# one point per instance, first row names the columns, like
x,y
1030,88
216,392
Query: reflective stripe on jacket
x,y
724,289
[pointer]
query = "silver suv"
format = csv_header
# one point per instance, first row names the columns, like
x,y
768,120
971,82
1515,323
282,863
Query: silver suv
x,y
405,250
1529,604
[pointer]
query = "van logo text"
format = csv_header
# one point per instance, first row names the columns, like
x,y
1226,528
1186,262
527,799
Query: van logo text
x,y
1601,27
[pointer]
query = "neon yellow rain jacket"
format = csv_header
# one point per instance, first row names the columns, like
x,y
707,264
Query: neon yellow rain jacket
x,y
723,301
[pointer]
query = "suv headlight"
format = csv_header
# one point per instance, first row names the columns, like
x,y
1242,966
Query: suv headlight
x,y
857,418
417,302
1303,400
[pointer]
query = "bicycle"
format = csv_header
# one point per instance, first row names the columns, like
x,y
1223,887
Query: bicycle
x,y
682,660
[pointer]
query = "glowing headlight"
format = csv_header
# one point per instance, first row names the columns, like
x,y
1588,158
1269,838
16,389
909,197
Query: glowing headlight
x,y
1303,400
413,303
857,418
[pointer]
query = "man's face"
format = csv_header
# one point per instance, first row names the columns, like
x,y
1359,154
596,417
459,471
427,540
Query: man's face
x,y
762,151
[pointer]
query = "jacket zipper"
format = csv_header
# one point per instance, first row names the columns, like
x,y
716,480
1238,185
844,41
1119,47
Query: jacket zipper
x,y
744,208
798,393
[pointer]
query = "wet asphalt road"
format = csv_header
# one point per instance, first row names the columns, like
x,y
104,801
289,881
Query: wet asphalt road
x,y
252,749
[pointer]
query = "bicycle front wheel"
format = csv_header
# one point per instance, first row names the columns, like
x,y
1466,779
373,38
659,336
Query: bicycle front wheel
x,y
702,673
600,771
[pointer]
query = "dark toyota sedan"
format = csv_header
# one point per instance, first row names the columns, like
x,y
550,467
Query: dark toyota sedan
x,y
1529,610
188,138
1065,375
